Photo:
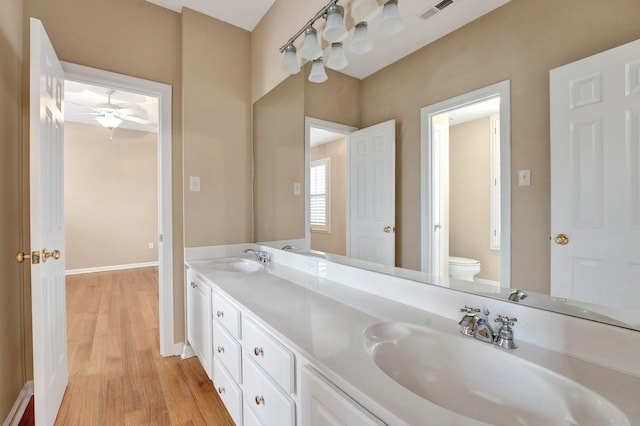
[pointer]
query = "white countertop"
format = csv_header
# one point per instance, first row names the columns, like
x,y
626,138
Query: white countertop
x,y
324,321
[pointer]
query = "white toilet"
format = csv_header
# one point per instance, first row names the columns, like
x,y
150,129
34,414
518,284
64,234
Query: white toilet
x,y
462,268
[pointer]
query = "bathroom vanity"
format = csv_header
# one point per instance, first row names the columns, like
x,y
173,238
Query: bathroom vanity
x,y
302,340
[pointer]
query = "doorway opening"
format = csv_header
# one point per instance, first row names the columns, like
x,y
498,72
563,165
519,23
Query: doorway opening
x,y
162,93
466,187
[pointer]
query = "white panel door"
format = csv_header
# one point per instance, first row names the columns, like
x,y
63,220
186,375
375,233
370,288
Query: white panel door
x,y
372,193
595,178
48,293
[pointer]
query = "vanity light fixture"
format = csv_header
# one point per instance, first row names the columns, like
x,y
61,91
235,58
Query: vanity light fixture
x,y
290,63
317,74
335,32
361,43
365,10
391,22
310,47
337,59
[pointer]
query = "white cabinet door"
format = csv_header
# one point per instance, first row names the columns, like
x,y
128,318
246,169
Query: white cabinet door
x,y
199,322
324,404
267,401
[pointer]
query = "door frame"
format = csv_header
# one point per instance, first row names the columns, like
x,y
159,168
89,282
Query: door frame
x,y
163,92
342,129
503,90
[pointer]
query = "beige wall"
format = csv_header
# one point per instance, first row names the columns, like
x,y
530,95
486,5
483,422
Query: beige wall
x,y
12,355
470,195
217,131
520,41
335,241
111,196
278,149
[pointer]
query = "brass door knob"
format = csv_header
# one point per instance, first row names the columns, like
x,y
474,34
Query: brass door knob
x,y
46,255
21,256
562,239
387,229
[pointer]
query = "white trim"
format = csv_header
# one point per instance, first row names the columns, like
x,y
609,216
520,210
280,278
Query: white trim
x,y
110,268
343,129
20,405
492,283
187,351
165,197
501,89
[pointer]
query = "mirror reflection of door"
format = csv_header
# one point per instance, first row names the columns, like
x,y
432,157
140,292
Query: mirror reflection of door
x,y
466,192
351,190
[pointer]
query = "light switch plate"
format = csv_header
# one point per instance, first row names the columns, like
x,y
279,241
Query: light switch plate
x,y
194,183
296,188
524,177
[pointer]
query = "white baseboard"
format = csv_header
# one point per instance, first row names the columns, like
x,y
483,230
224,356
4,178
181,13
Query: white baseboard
x,y
110,268
187,352
20,405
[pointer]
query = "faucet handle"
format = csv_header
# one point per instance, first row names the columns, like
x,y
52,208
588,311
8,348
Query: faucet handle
x,y
469,309
506,321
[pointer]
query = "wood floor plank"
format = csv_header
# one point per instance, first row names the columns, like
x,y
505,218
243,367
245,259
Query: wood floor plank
x,y
117,376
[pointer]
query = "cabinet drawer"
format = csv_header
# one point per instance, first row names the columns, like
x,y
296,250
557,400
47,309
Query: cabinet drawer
x,y
229,392
227,351
227,314
270,354
267,401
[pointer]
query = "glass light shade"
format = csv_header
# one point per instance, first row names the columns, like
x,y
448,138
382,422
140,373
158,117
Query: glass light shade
x,y
310,47
335,30
360,44
109,120
391,22
317,74
365,10
337,59
290,63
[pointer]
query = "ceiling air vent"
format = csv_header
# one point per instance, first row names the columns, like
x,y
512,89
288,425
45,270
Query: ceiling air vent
x,y
435,9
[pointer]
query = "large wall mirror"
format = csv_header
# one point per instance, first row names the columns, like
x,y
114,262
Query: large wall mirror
x,y
517,241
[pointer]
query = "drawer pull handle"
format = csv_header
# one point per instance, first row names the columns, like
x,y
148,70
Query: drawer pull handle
x,y
193,284
257,351
220,314
259,400
221,390
220,349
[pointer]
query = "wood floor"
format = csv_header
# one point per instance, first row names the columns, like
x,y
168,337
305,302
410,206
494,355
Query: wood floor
x,y
117,376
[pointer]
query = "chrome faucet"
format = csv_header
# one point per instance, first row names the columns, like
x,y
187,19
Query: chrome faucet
x,y
261,255
477,326
517,295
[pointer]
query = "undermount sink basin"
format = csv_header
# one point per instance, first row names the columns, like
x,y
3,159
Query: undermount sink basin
x,y
481,381
236,264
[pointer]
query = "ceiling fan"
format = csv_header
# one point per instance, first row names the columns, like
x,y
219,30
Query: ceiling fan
x,y
112,115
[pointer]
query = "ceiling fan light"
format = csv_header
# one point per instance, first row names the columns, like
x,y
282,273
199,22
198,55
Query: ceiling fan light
x,y
109,121
318,74
310,47
335,30
360,44
365,10
337,58
290,63
391,22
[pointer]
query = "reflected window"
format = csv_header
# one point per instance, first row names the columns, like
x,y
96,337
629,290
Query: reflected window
x,y
320,182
